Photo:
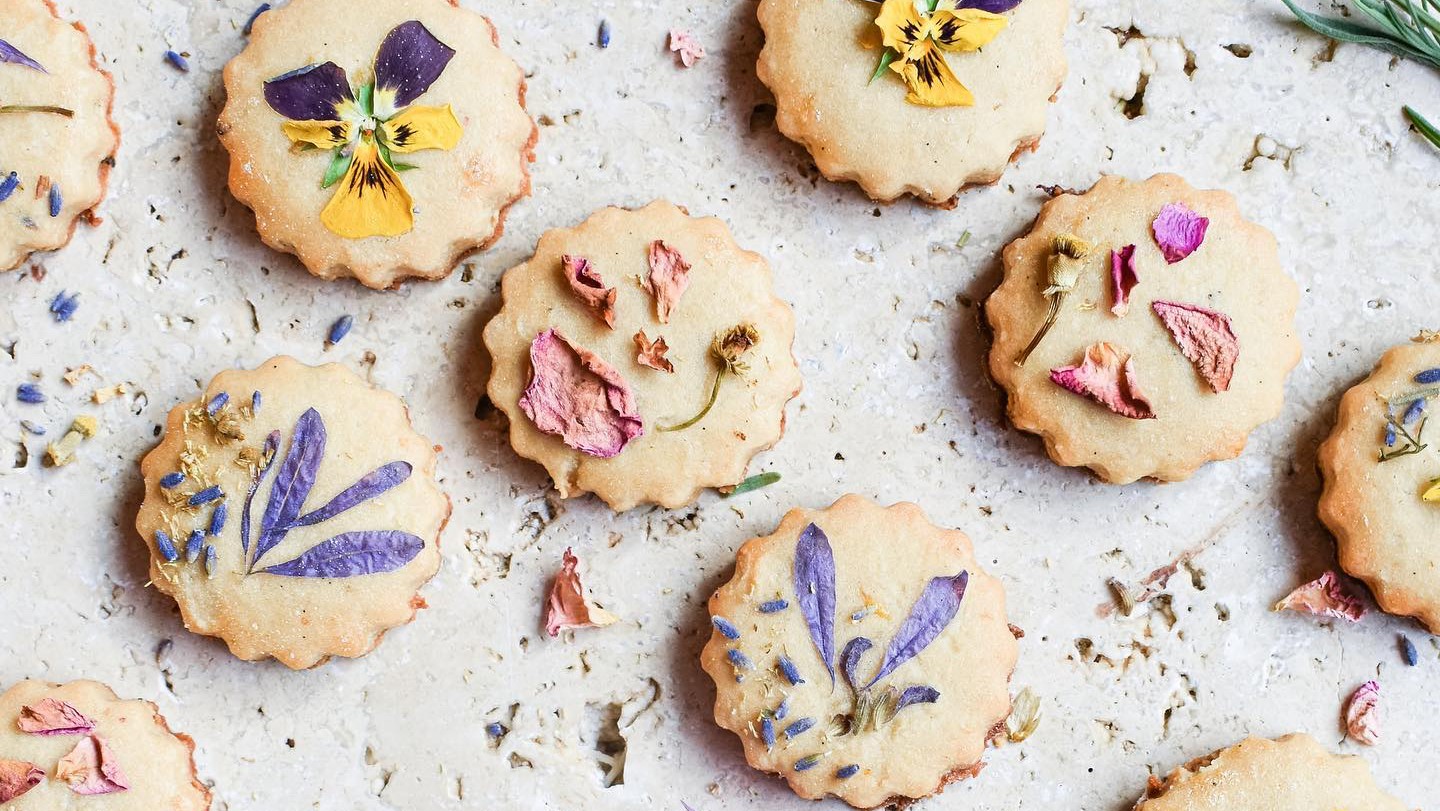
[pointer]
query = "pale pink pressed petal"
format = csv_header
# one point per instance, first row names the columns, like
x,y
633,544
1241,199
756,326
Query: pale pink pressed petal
x,y
585,283
49,716
652,353
685,44
1107,376
578,397
1326,596
669,277
1362,720
90,769
1206,338
567,607
18,777
1124,277
1178,231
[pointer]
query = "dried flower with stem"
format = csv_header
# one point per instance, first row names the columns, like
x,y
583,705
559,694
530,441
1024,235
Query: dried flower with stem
x,y
728,349
1067,253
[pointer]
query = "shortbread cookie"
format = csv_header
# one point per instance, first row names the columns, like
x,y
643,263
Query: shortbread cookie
x,y
1382,481
1143,328
78,746
1293,773
382,140
293,512
59,138
957,93
861,652
642,356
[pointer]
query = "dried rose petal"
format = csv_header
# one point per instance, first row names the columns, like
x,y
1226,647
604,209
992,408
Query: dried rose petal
x,y
1122,273
91,769
567,606
669,276
585,283
1326,596
578,397
1106,376
18,777
685,44
52,717
1361,717
652,354
1178,231
1206,338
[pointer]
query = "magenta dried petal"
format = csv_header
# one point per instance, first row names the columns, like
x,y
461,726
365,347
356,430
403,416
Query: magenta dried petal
x,y
575,395
567,607
18,777
1362,721
53,717
587,286
90,769
1107,376
1179,231
1206,338
1124,278
1326,596
669,277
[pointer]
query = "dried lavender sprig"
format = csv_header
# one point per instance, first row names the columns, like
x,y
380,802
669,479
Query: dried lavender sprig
x,y
8,186
792,673
166,546
217,519
847,772
216,403
194,546
726,628
494,729
57,201
212,562
340,329
767,732
603,37
172,480
799,727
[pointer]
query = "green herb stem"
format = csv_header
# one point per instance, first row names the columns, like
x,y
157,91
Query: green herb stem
x,y
755,482
37,108
714,394
1428,130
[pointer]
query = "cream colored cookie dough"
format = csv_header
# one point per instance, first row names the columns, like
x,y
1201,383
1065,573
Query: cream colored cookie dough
x,y
1378,510
153,764
1293,773
728,288
1190,413
462,177
292,511
819,57
895,725
54,161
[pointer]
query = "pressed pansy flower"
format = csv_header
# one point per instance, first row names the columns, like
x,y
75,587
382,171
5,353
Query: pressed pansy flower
x,y
365,128
918,41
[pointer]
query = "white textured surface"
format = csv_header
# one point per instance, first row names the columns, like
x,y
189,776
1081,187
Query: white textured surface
x,y
175,286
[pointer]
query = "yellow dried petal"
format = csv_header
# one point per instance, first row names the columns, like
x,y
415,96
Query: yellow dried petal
x,y
966,29
322,134
371,201
901,25
1432,493
420,127
931,82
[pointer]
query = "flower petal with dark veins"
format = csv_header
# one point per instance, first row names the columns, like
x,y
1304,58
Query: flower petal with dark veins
x,y
410,59
1206,338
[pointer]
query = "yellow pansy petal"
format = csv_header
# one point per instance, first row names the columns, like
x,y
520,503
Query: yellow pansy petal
x,y
370,201
1433,493
930,80
900,25
323,134
421,127
965,30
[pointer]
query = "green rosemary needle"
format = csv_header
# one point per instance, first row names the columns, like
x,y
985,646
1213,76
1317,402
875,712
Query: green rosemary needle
x,y
728,348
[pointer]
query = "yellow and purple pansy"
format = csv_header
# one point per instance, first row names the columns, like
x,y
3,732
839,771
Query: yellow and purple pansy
x,y
367,127
915,43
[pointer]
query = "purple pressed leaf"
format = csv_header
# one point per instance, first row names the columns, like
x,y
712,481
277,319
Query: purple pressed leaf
x,y
15,56
311,93
937,606
851,656
409,61
293,480
351,554
815,591
992,6
272,444
918,694
369,486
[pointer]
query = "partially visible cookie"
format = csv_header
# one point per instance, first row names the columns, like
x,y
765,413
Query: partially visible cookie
x,y
642,356
1293,773
861,652
78,745
60,140
960,94
1143,328
1380,472
293,512
383,140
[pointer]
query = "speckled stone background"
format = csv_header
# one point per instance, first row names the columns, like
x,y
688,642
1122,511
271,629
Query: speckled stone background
x,y
175,286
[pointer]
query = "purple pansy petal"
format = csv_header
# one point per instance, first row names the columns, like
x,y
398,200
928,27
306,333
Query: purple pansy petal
x,y
311,93
293,480
918,694
351,554
937,606
1178,231
992,6
409,61
850,658
815,591
15,56
369,486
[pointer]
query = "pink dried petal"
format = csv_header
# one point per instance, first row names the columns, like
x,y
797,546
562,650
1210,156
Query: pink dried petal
x,y
18,777
652,354
52,717
567,607
1124,277
1206,338
585,283
1326,596
1107,376
578,397
685,44
1178,231
669,276
1362,720
91,769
